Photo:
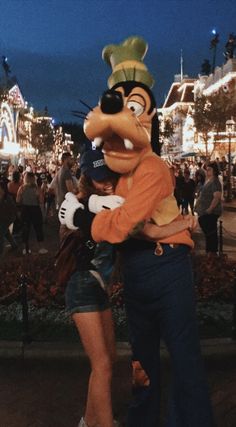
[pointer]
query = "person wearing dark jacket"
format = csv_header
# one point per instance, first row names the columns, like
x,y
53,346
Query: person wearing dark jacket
x,y
7,217
188,193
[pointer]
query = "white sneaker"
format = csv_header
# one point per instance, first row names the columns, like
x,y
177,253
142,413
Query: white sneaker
x,y
82,423
25,251
43,251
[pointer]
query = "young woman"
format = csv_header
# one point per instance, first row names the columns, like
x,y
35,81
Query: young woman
x,y
87,300
209,207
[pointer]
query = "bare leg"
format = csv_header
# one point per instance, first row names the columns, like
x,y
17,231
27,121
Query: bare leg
x,y
97,335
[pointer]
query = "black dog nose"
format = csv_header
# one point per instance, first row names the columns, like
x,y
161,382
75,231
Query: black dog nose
x,y
111,102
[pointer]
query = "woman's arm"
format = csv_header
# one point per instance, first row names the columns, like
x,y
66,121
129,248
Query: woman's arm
x,y
155,232
19,194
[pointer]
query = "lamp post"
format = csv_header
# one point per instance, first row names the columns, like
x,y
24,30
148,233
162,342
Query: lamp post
x,y
230,131
213,46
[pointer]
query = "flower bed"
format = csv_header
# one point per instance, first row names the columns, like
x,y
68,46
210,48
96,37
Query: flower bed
x,y
214,281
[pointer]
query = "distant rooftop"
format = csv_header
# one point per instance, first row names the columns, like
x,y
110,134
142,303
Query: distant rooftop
x,y
181,91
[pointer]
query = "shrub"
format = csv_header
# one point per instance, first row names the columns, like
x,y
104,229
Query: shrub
x,y
214,280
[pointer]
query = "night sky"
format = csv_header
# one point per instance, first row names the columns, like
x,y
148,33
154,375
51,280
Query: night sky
x,y
54,46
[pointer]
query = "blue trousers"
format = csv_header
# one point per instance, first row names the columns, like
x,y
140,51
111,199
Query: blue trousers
x,y
160,304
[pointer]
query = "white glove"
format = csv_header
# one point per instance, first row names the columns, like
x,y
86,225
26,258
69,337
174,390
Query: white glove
x,y
98,203
67,210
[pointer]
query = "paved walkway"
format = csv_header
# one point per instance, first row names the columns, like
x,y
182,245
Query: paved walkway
x,y
48,387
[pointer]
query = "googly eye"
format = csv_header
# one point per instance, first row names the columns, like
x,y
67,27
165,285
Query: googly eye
x,y
136,107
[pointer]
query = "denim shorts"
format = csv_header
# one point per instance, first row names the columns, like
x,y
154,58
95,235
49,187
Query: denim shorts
x,y
84,294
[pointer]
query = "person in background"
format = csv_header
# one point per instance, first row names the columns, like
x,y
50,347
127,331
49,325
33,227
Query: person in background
x,y
200,171
188,193
199,182
14,185
224,169
29,197
7,217
43,188
75,177
50,207
64,182
179,180
4,175
209,207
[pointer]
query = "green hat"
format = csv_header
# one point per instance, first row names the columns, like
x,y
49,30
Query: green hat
x,y
126,62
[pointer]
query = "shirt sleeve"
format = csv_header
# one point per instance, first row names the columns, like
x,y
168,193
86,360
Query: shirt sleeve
x,y
67,175
151,183
216,186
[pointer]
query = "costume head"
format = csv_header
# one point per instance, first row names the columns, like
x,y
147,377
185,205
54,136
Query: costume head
x,y
125,122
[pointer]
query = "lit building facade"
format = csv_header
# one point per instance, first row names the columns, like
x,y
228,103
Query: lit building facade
x,y
222,80
11,103
177,109
16,121
179,105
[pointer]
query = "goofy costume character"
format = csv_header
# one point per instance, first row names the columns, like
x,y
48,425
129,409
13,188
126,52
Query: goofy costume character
x,y
158,281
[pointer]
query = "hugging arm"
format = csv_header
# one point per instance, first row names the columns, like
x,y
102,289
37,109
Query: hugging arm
x,y
152,231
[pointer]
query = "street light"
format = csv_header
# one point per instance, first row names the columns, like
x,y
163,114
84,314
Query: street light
x,y
213,46
230,131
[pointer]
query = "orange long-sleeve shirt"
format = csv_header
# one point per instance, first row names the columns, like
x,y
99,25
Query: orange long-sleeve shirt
x,y
151,184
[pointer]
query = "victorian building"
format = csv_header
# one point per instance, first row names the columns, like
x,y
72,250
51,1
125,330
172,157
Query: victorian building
x,y
177,110
223,80
11,103
179,105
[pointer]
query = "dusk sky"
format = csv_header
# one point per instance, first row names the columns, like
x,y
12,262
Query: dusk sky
x,y
54,46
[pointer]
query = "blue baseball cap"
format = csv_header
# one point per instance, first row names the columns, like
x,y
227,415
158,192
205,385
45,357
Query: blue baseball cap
x,y
92,164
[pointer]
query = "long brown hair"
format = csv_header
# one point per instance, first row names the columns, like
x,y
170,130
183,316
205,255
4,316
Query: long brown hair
x,y
30,179
86,187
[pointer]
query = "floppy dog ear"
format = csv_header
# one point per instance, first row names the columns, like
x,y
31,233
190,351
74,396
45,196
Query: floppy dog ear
x,y
155,143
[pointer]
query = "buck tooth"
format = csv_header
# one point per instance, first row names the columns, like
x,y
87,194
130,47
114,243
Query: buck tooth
x,y
128,144
97,141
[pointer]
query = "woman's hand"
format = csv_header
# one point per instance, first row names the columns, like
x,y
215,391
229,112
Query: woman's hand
x,y
192,222
155,232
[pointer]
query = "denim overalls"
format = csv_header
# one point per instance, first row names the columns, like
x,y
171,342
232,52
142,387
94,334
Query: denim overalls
x,y
160,304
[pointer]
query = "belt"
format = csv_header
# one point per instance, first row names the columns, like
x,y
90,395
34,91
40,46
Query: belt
x,y
136,245
159,250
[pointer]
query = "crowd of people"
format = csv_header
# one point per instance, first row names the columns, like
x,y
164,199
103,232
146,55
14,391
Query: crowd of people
x,y
200,189
45,190
31,196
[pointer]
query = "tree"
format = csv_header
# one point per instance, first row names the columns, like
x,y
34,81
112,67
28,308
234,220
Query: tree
x,y
167,131
214,42
206,67
77,135
210,114
230,47
42,136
